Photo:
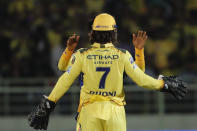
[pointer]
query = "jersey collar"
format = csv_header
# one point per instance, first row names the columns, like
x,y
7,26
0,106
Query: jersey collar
x,y
102,45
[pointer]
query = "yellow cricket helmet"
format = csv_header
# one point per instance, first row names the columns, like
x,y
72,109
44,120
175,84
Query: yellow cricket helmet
x,y
104,22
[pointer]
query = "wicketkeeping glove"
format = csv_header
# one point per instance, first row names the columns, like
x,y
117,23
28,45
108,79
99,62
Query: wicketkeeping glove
x,y
174,86
39,118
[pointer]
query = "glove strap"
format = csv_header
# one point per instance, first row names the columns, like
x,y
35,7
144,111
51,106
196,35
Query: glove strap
x,y
165,87
48,105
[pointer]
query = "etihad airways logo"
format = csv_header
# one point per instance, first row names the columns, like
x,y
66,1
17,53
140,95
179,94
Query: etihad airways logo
x,y
103,57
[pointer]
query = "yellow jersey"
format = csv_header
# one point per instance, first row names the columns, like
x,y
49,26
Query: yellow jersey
x,y
102,66
65,57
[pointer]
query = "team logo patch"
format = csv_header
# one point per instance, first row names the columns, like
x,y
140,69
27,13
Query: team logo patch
x,y
131,60
69,68
134,66
73,59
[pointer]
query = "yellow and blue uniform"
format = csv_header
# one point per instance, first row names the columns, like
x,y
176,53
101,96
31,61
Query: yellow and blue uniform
x,y
64,59
102,94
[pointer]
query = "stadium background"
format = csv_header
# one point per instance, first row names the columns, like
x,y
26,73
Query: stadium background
x,y
33,35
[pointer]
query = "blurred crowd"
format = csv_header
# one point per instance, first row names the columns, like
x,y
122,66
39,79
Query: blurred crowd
x,y
33,33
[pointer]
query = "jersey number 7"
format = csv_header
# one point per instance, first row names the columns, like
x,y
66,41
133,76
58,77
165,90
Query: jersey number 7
x,y
102,81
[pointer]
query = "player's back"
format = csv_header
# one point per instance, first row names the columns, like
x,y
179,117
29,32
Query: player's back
x,y
103,67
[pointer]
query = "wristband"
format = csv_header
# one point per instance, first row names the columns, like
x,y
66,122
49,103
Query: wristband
x,y
139,54
67,54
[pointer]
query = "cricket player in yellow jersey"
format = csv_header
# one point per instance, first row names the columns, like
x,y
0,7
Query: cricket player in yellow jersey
x,y
102,94
138,42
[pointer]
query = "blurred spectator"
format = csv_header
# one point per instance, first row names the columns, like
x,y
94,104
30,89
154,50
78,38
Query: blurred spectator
x,y
189,54
34,32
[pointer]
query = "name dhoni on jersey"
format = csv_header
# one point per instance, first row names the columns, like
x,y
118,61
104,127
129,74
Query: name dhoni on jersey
x,y
103,93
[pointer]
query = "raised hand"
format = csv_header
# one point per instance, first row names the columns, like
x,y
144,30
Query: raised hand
x,y
72,42
139,39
